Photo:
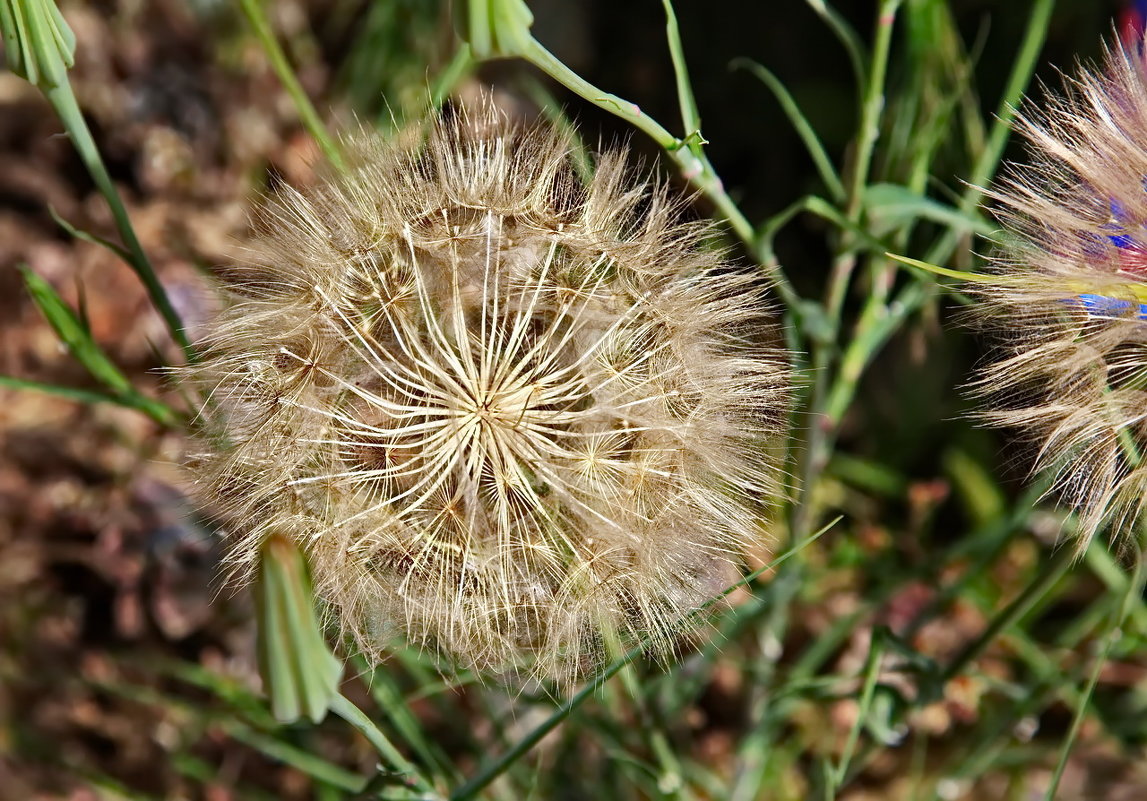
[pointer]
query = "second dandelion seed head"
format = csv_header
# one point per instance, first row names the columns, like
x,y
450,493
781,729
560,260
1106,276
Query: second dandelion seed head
x,y
1070,296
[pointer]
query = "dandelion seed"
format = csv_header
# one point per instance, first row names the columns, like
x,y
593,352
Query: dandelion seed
x,y
1070,303
510,416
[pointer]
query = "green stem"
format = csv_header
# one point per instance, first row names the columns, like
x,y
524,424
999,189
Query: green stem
x,y
873,106
253,10
868,132
694,169
544,60
493,769
346,710
63,100
489,771
879,324
461,64
687,154
988,162
690,116
822,427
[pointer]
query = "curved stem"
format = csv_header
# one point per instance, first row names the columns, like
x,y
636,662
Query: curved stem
x,y
687,153
346,710
63,100
310,118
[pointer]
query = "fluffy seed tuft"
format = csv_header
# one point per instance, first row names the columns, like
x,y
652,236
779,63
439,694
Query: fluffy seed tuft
x,y
1069,297
519,419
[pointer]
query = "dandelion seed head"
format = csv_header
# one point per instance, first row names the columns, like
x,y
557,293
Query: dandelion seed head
x,y
508,415
1069,301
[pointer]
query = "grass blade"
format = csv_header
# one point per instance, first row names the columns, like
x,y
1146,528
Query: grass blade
x,y
867,693
73,333
253,11
848,37
800,124
1131,595
1048,576
87,236
298,758
71,393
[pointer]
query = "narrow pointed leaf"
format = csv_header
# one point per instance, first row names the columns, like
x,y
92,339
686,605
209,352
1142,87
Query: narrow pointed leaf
x,y
73,333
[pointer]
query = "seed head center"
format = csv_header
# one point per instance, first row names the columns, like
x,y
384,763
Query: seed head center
x,y
505,407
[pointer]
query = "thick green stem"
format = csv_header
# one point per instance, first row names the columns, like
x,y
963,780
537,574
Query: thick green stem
x,y
686,153
697,171
821,426
881,319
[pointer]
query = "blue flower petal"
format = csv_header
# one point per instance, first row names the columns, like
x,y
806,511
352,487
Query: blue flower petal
x,y
1103,306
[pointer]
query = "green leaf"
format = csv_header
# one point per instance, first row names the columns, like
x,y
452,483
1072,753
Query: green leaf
x,y
864,706
823,209
452,74
257,17
892,206
87,236
244,718
403,771
935,269
867,474
814,322
38,43
982,497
